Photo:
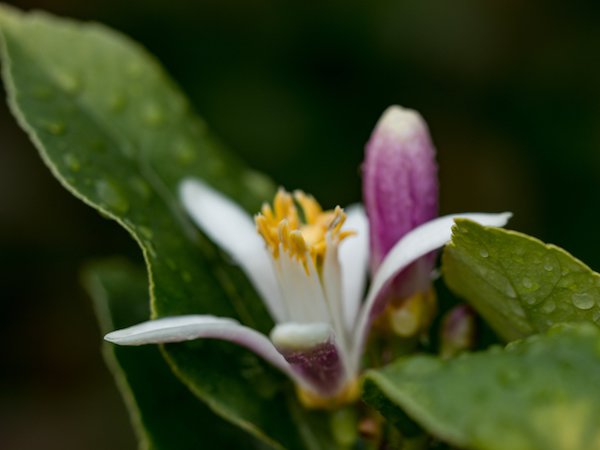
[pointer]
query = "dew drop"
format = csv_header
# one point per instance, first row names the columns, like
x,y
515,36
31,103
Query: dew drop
x,y
509,291
596,316
548,307
548,267
527,284
70,83
530,300
517,309
153,115
483,253
55,128
582,300
111,195
72,162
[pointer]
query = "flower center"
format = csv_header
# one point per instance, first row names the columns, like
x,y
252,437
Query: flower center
x,y
304,235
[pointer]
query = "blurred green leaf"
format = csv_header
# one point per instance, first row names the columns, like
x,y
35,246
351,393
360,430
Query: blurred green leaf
x,y
536,394
120,136
165,414
519,285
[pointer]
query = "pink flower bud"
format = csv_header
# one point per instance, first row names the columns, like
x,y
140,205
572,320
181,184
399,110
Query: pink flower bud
x,y
400,186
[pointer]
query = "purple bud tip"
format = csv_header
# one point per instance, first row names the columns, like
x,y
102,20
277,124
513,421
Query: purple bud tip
x,y
400,184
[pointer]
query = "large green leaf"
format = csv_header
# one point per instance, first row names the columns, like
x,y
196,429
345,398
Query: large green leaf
x,y
120,136
164,412
517,283
540,393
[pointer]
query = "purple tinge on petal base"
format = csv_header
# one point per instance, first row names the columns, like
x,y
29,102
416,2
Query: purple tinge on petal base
x,y
400,185
321,366
311,351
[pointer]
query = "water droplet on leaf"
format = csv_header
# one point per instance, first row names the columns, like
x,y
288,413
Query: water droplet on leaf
x,y
548,307
70,83
530,300
72,162
153,114
509,291
582,300
111,195
517,310
55,128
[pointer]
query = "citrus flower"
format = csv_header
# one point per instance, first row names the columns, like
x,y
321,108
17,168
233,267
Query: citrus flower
x,y
310,265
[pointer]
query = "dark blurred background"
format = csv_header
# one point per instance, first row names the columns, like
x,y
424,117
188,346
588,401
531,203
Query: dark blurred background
x,y
510,89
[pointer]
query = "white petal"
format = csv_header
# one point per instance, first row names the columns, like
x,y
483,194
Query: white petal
x,y
300,336
415,244
232,229
301,289
331,281
354,261
186,328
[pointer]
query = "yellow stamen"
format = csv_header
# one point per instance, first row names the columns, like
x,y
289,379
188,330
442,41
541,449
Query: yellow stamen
x,y
348,395
300,237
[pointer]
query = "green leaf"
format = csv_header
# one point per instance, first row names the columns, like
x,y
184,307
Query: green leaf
x,y
519,285
165,414
536,394
118,134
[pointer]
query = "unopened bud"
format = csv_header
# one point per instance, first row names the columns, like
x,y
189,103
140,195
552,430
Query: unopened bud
x,y
414,315
400,185
458,331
